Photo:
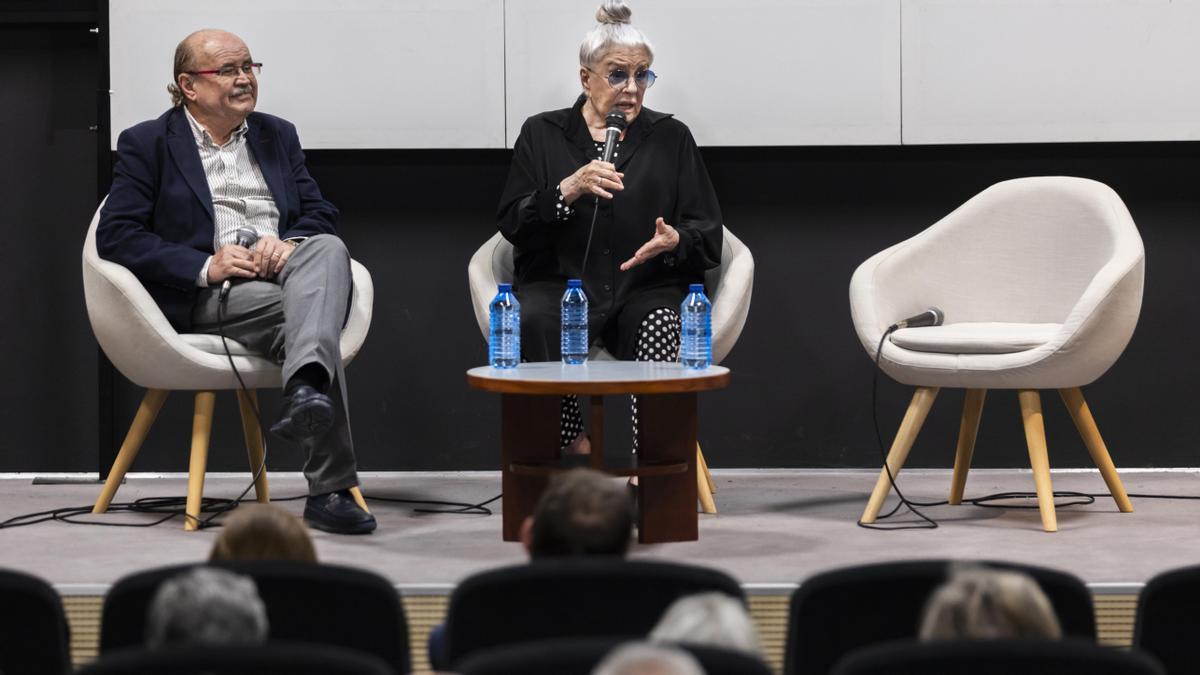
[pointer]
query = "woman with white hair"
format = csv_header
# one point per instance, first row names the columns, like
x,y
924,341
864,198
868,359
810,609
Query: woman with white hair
x,y
637,230
711,619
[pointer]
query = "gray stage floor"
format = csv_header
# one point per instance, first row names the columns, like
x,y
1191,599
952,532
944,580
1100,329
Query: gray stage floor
x,y
774,527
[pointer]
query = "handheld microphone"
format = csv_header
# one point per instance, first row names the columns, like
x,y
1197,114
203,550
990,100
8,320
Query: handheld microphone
x,y
245,237
614,124
930,317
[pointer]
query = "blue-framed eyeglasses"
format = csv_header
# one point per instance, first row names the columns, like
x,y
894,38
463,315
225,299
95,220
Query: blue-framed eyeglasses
x,y
618,78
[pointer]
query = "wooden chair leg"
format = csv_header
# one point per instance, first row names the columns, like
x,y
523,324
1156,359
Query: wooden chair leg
x,y
152,402
1086,424
704,484
358,498
202,419
968,429
1039,459
910,426
252,431
702,464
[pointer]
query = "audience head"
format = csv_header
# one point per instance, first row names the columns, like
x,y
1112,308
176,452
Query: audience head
x,y
980,603
582,512
206,606
711,619
639,658
263,532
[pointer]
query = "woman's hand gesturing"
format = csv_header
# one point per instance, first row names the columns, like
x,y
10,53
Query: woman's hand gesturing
x,y
665,239
593,178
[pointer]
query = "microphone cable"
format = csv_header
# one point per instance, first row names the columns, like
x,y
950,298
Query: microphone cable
x,y
930,523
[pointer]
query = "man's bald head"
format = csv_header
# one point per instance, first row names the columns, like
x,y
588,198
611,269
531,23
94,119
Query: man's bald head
x,y
187,54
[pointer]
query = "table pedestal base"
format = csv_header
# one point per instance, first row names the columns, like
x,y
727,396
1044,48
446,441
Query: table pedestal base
x,y
666,467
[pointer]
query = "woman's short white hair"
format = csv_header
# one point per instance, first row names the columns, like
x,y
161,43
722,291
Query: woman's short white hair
x,y
712,619
612,30
206,606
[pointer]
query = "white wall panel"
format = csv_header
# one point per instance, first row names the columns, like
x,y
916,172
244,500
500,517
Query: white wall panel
x,y
1017,71
752,72
349,74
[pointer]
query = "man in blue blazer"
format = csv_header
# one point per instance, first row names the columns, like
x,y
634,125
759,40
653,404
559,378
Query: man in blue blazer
x,y
187,188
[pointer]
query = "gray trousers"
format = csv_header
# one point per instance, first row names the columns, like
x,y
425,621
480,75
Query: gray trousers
x,y
296,319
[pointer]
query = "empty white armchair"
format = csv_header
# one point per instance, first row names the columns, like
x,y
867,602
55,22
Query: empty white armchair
x,y
731,283
140,342
1040,282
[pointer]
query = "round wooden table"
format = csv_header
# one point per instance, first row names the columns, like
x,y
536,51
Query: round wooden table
x,y
666,460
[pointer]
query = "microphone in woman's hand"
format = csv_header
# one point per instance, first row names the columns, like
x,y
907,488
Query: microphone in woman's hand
x,y
614,124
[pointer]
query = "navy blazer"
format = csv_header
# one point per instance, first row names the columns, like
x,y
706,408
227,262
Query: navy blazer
x,y
158,220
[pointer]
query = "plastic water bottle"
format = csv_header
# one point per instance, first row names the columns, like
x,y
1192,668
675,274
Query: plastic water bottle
x,y
574,323
504,337
695,349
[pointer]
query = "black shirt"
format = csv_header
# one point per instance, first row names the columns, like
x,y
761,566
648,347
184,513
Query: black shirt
x,y
664,176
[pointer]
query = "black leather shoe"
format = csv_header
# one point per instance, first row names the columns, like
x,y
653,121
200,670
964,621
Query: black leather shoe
x,y
303,414
337,512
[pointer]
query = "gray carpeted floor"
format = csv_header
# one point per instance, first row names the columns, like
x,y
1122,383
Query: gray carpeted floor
x,y
774,526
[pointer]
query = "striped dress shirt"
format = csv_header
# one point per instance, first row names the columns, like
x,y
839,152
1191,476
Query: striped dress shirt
x,y
240,194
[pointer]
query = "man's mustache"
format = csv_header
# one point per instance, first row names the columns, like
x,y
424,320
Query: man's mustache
x,y
238,91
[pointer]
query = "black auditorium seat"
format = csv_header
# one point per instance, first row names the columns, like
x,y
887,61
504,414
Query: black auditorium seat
x,y
1168,620
835,612
570,597
578,656
306,602
281,658
996,657
34,637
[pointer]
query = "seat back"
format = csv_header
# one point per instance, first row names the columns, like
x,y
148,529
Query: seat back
x,y
145,347
276,658
577,597
729,285
996,657
1021,251
131,329
1167,621
834,613
306,602
579,656
34,636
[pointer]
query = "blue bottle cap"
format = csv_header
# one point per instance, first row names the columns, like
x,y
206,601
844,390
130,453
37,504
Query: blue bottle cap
x,y
695,288
574,283
505,288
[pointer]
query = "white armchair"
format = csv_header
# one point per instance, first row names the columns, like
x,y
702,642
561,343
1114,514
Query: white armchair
x,y
141,343
732,284
1040,280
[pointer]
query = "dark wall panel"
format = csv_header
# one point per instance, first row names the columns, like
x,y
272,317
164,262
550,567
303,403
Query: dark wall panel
x,y
47,189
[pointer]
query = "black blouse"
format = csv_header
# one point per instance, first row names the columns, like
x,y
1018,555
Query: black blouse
x,y
664,176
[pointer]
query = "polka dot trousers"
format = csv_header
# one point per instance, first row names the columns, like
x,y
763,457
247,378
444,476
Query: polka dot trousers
x,y
657,340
